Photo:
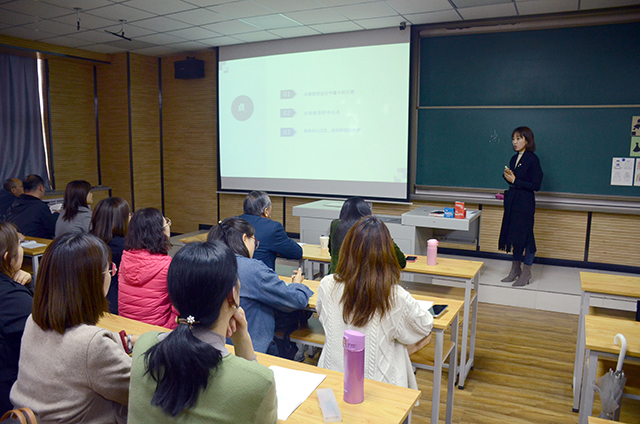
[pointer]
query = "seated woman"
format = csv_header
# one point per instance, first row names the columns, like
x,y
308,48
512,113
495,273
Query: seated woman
x,y
364,295
263,294
142,287
188,375
352,210
71,370
15,307
75,215
110,223
273,239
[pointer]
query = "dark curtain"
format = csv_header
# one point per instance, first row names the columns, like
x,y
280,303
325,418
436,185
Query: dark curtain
x,y
21,140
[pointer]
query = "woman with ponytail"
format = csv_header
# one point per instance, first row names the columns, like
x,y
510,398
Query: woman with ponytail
x,y
188,375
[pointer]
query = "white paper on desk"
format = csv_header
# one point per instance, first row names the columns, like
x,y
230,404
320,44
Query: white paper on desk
x,y
293,387
31,244
301,243
425,304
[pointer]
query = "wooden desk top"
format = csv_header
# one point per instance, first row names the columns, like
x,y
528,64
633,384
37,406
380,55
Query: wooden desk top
x,y
383,403
446,267
197,237
620,285
600,332
38,250
442,322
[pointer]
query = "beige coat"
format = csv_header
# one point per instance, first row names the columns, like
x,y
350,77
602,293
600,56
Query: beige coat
x,y
79,376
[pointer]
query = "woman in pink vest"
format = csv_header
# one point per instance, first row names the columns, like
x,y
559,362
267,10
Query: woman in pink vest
x,y
142,289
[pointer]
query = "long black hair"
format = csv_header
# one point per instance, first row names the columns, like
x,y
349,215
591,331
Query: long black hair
x,y
352,210
230,232
200,278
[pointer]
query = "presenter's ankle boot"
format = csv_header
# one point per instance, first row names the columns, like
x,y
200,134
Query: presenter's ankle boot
x,y
525,277
514,273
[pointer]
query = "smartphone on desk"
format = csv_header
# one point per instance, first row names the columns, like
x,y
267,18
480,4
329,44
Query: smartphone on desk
x,y
437,310
411,258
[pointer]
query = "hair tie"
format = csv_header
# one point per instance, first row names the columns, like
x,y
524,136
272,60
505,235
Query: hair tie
x,y
190,320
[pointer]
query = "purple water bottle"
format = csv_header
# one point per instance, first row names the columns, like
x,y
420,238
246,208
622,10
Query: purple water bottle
x,y
353,342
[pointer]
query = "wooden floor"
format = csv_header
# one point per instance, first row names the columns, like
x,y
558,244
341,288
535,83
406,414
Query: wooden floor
x,y
523,372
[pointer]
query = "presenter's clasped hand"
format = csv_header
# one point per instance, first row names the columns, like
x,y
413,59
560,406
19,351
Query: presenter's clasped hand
x,y
509,175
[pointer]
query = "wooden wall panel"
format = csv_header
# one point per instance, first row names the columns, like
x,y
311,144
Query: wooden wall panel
x,y
114,126
230,205
560,234
189,118
73,128
145,129
491,220
293,222
615,239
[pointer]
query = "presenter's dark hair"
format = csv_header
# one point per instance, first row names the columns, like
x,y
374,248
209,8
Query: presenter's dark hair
x,y
528,135
70,284
352,210
110,218
31,183
200,278
230,232
256,202
146,232
9,243
75,195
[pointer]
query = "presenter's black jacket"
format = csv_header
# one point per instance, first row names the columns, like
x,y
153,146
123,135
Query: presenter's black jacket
x,y
33,217
520,205
6,200
15,308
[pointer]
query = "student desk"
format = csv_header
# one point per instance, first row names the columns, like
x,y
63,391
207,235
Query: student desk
x,y
447,319
595,283
35,254
200,236
383,403
462,272
599,335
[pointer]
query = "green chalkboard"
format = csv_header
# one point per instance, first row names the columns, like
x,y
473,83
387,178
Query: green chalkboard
x,y
577,88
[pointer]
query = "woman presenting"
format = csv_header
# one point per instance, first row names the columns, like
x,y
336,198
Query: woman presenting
x,y
524,176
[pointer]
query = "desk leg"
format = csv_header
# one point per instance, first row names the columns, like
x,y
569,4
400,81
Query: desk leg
x,y
465,365
453,361
35,263
588,383
580,342
437,376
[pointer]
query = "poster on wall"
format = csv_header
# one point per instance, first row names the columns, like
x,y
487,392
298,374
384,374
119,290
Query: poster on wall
x,y
636,181
622,171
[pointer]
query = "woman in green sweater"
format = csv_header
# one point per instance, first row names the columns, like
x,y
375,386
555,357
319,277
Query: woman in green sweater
x,y
352,210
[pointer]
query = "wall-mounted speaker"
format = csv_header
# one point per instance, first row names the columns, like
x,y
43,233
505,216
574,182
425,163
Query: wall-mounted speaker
x,y
191,68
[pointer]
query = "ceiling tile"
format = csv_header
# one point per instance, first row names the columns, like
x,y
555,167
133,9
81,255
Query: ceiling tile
x,y
84,4
231,27
119,11
51,27
380,22
332,3
365,11
433,17
547,6
221,41
129,45
318,16
603,4
189,46
476,3
241,9
160,39
271,21
86,21
26,33
13,18
37,8
208,3
336,27
484,12
97,36
193,33
158,51
294,32
66,41
288,5
129,30
254,37
418,6
160,7
103,48
161,24
199,17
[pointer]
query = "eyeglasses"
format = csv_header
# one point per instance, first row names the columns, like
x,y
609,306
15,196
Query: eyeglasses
x,y
113,270
168,224
257,242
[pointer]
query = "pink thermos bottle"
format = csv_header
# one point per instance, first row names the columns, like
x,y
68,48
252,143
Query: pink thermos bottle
x,y
353,342
432,252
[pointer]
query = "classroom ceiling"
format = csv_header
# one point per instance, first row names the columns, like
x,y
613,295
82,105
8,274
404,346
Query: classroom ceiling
x,y
165,27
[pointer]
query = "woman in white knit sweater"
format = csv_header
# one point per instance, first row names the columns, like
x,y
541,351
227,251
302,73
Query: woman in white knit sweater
x,y
364,295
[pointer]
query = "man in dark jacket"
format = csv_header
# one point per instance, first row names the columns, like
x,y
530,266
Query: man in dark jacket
x,y
30,214
12,190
